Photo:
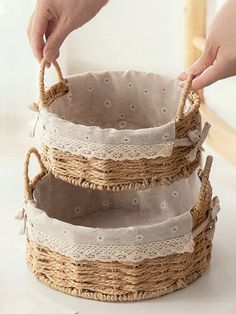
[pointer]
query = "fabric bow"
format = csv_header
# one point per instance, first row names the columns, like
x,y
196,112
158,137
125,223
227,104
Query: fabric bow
x,y
21,215
215,208
198,139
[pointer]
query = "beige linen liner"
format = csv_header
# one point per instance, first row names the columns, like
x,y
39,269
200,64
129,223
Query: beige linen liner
x,y
125,281
134,172
109,226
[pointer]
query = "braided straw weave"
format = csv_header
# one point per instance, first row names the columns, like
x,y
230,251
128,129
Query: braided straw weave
x,y
125,281
94,173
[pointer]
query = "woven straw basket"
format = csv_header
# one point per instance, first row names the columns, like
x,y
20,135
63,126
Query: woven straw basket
x,y
72,257
120,210
119,130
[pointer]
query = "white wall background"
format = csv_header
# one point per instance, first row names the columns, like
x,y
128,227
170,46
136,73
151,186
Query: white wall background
x,y
126,34
17,66
137,34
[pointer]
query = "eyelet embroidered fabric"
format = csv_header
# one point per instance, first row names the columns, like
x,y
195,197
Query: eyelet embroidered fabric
x,y
93,252
102,151
102,225
113,115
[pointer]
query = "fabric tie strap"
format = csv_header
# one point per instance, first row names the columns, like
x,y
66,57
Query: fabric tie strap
x,y
21,215
211,218
198,140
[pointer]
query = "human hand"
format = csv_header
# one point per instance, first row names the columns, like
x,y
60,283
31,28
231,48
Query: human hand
x,y
218,60
53,20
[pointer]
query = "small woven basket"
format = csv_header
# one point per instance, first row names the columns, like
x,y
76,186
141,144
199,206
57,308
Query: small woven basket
x,y
119,130
74,251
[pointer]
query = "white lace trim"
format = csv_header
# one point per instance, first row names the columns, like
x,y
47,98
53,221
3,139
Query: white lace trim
x,y
107,151
93,252
108,143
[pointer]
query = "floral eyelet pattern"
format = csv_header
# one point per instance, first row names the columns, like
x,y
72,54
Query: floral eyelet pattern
x,y
163,205
77,210
100,238
107,103
105,203
135,201
174,229
122,124
163,109
165,136
138,237
175,193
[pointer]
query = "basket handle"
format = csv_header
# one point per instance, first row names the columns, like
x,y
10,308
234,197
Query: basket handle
x,y
42,92
183,97
30,184
207,168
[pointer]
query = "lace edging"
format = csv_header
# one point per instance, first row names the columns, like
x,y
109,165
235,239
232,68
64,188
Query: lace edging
x,y
108,151
93,252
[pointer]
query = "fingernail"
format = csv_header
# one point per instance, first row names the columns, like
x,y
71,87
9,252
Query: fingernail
x,y
181,84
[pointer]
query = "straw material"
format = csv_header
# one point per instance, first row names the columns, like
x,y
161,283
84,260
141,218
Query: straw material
x,y
127,281
124,281
113,175
94,173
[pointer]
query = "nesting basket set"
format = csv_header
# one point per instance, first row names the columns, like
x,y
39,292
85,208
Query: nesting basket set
x,y
121,209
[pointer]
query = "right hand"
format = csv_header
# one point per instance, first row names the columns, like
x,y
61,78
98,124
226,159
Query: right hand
x,y
218,60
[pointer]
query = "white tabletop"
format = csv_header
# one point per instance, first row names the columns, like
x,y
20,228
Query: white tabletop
x,y
21,293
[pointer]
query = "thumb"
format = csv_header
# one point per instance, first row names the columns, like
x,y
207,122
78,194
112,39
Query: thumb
x,y
54,41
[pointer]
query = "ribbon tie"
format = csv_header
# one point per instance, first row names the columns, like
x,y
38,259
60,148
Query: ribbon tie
x,y
21,215
215,208
198,139
211,218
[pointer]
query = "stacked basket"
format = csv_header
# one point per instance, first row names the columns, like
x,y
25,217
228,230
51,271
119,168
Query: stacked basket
x,y
120,210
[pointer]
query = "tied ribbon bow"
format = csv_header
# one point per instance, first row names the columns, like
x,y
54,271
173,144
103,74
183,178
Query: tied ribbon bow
x,y
211,219
215,208
21,215
198,139
34,107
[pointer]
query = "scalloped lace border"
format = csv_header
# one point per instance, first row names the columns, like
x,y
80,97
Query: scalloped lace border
x,y
93,252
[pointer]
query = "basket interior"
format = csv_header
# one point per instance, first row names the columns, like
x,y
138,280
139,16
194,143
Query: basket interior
x,y
107,209
119,100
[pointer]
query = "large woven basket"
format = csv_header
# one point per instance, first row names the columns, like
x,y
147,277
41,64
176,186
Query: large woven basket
x,y
79,242
119,130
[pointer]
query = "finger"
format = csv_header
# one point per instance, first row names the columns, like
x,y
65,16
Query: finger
x,y
196,68
54,41
51,27
182,76
212,74
38,29
206,59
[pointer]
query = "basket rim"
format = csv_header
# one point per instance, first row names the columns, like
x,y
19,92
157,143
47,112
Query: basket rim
x,y
58,90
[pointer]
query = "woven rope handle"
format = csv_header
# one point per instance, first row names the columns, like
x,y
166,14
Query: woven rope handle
x,y
42,92
30,184
183,97
207,169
